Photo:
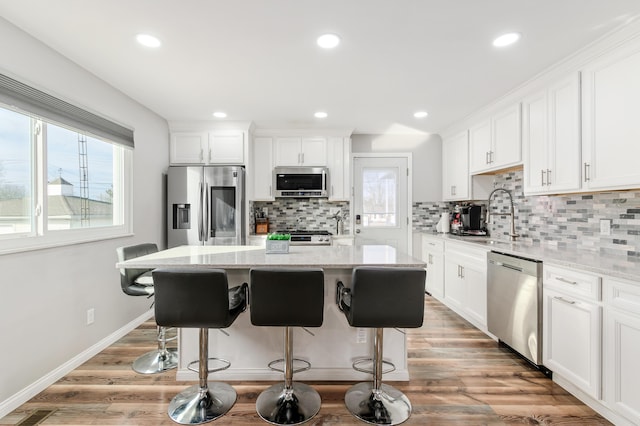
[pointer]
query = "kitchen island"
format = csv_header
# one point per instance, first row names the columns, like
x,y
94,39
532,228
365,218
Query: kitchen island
x,y
331,348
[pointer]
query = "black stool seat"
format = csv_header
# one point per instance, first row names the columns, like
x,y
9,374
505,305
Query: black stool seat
x,y
381,297
287,298
199,298
139,282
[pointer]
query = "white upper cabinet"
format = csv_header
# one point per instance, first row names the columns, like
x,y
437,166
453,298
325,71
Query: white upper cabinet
x,y
296,151
455,167
338,156
262,168
551,138
611,128
207,148
496,143
188,148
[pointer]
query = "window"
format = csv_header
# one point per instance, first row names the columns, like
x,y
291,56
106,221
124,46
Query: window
x,y
379,197
58,185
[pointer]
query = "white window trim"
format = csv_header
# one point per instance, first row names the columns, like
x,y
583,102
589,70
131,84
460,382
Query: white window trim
x,y
15,243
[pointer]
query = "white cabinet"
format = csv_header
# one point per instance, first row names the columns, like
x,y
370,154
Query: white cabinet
x,y
455,168
496,143
338,162
262,168
432,253
188,147
301,151
207,148
611,129
572,320
551,138
465,282
621,349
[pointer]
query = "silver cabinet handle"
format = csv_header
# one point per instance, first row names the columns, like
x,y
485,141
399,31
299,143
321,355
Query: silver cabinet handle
x,y
564,280
587,168
562,299
430,259
486,158
548,177
490,156
542,177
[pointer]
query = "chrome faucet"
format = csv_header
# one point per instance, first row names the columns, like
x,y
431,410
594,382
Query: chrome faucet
x,y
512,231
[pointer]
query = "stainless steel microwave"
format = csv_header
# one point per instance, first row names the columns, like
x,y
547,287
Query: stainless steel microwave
x,y
301,182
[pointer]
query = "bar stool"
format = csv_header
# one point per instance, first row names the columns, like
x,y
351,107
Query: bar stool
x,y
287,298
381,297
199,298
139,282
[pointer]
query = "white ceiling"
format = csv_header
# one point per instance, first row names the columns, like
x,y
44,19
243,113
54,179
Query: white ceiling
x,y
257,59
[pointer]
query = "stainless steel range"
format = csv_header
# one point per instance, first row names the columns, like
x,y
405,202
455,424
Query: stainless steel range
x,y
309,238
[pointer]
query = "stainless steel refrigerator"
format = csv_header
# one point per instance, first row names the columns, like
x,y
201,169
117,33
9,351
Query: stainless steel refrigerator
x,y
205,205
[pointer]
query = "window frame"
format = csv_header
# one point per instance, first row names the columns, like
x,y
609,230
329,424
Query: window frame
x,y
40,237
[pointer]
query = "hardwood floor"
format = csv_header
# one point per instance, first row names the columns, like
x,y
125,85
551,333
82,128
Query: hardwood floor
x,y
458,377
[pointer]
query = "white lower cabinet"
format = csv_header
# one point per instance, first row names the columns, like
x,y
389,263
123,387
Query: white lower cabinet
x,y
572,323
433,256
572,339
465,282
621,349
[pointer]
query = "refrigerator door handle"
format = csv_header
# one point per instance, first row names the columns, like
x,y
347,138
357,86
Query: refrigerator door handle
x,y
205,225
200,231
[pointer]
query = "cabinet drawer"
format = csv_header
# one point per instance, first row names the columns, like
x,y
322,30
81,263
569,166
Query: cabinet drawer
x,y
621,294
432,244
572,282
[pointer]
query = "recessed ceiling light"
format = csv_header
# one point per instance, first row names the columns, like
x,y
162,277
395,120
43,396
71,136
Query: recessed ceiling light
x,y
220,114
148,40
320,114
420,114
328,41
506,39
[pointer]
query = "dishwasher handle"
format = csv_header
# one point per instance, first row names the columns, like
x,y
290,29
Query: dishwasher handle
x,y
505,265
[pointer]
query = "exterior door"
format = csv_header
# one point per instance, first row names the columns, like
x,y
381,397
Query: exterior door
x,y
381,197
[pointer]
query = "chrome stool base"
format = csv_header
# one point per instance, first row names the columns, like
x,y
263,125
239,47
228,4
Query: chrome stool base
x,y
156,362
195,405
280,406
386,406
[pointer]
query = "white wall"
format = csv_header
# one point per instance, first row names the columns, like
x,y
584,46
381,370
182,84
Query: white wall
x,y
427,159
44,294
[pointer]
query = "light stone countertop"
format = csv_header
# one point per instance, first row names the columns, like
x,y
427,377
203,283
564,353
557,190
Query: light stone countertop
x,y
244,257
584,260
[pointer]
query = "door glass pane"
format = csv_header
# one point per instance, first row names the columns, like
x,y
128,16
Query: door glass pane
x,y
223,211
15,173
379,197
80,172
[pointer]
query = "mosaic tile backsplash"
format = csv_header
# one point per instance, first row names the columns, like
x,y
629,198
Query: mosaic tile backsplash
x,y
292,213
571,220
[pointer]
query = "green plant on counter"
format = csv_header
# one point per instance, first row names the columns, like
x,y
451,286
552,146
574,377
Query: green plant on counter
x,y
279,237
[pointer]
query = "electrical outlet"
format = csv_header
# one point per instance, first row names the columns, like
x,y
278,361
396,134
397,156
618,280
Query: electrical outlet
x,y
90,316
605,226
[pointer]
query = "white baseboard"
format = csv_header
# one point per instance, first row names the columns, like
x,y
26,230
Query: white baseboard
x,y
24,395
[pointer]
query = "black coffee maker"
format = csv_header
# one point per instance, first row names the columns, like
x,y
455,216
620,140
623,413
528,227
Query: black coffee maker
x,y
472,223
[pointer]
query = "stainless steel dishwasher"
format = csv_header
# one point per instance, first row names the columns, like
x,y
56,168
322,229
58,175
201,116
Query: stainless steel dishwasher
x,y
514,303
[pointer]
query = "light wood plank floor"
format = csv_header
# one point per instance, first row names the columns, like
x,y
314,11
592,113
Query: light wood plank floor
x,y
458,377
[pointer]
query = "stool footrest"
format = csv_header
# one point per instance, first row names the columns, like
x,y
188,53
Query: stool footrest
x,y
225,364
356,365
307,365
